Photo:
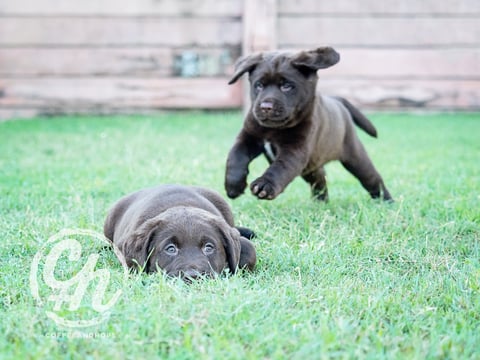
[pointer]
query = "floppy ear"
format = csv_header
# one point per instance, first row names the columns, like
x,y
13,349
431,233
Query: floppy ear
x,y
245,64
313,60
231,243
240,251
248,255
137,245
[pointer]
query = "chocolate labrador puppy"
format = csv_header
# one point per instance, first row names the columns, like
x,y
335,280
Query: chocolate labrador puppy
x,y
187,231
297,128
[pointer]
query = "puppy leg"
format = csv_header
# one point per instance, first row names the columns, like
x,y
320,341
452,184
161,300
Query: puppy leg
x,y
318,183
246,232
246,148
359,164
287,165
248,255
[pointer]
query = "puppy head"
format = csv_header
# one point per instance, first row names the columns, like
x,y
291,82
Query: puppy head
x,y
190,243
282,85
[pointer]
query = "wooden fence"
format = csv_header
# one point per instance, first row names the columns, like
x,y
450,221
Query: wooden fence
x,y
394,54
136,56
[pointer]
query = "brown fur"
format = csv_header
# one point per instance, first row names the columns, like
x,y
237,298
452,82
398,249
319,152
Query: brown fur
x,y
297,128
187,231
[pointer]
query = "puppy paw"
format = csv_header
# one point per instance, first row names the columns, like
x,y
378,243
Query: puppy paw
x,y
263,189
235,181
246,232
234,190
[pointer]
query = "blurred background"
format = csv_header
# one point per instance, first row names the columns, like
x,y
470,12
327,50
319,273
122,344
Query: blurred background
x,y
142,56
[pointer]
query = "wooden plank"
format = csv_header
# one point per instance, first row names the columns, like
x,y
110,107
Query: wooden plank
x,y
64,31
259,24
407,94
123,7
149,61
380,7
21,62
67,95
405,63
394,32
59,96
259,34
9,114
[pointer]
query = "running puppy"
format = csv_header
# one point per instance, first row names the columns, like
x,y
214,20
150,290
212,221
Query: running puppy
x,y
298,129
187,231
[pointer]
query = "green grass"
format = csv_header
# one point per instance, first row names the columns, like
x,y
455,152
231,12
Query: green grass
x,y
354,278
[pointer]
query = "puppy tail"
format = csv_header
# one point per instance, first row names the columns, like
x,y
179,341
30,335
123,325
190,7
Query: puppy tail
x,y
358,118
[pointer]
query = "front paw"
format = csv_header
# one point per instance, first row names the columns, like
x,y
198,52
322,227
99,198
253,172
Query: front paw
x,y
264,189
235,189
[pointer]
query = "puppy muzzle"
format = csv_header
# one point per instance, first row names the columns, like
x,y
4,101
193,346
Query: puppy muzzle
x,y
192,275
270,113
192,272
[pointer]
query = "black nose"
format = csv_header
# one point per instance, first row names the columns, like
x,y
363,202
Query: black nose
x,y
266,107
192,274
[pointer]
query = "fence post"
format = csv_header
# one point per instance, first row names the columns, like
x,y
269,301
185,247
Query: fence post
x,y
259,33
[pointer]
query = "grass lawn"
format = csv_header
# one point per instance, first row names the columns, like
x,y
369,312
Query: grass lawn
x,y
354,278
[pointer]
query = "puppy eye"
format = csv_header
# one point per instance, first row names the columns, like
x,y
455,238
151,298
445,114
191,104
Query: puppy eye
x,y
258,86
286,86
208,249
171,249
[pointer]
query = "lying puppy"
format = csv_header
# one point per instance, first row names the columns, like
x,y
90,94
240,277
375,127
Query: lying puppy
x,y
298,129
187,231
